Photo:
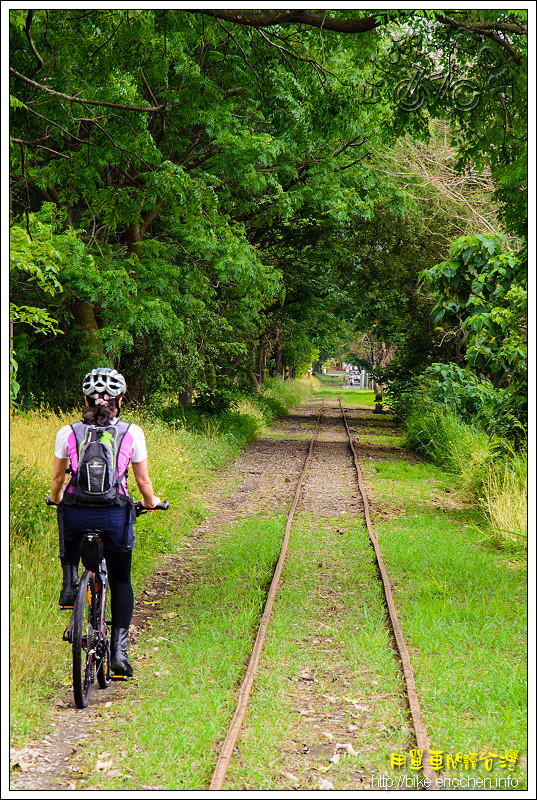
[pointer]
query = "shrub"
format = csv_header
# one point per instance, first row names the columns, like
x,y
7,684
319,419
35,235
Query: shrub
x,y
500,412
272,407
289,393
456,446
214,401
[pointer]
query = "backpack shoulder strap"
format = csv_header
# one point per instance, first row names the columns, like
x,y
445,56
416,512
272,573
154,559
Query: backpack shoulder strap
x,y
122,428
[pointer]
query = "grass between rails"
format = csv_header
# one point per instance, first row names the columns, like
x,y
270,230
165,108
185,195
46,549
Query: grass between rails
x,y
182,464
340,638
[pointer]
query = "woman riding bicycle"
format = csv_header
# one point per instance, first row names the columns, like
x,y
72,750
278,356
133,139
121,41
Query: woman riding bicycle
x,y
103,389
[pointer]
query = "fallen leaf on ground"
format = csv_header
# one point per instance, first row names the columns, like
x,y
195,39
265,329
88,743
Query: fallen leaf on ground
x,y
290,777
347,747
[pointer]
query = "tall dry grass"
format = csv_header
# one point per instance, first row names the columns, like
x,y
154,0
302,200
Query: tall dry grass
x,y
505,498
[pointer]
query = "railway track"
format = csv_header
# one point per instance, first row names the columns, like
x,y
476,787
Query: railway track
x,y
421,739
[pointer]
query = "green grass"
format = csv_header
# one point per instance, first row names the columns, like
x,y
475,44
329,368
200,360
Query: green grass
x,y
182,464
462,607
349,397
505,500
346,648
188,666
452,444
489,473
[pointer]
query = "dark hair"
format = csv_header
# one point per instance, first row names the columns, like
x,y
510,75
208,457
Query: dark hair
x,y
99,414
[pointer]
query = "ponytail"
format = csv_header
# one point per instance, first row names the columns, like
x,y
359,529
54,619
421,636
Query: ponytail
x,y
100,412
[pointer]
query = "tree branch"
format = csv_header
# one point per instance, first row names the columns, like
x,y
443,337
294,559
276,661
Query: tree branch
x,y
40,146
27,27
71,99
257,19
487,29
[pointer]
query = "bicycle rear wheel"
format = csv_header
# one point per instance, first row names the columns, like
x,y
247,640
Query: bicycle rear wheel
x,y
85,637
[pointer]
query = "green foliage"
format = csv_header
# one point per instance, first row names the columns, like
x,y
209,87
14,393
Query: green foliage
x,y
34,265
272,406
213,401
223,191
482,288
474,399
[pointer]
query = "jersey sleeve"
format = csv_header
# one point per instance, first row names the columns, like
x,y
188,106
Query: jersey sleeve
x,y
139,448
60,446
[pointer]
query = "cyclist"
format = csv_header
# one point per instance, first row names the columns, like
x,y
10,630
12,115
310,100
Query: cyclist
x,y
103,389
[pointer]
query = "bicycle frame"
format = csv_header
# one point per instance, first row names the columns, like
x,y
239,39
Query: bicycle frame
x,y
101,588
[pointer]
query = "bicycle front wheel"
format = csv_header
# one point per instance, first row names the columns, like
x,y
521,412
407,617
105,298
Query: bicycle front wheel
x,y
85,636
104,671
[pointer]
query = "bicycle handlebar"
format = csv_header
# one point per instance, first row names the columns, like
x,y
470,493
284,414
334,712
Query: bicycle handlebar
x,y
139,507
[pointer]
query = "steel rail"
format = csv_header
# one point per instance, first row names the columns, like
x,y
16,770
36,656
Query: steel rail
x,y
228,745
422,737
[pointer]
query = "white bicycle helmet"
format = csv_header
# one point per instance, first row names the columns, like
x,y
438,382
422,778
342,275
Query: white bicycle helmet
x,y
104,379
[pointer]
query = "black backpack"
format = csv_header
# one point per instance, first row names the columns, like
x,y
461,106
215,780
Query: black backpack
x,y
97,479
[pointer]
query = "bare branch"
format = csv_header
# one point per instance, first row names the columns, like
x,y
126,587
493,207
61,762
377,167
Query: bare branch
x,y
36,145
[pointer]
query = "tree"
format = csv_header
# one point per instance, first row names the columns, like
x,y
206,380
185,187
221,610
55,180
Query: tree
x,y
482,288
214,165
34,264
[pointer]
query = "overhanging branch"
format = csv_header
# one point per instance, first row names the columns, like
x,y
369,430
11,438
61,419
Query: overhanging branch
x,y
264,19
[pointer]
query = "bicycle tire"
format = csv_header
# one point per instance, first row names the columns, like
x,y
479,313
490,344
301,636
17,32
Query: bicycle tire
x,y
84,639
104,670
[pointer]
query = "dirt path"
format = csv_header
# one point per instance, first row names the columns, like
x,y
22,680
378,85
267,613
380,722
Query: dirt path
x,y
263,478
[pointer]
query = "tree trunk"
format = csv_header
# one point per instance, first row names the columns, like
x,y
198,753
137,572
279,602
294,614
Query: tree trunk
x,y
386,355
261,363
279,362
185,397
92,344
134,237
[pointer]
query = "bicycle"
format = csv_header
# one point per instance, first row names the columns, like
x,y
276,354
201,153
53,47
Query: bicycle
x,y
87,631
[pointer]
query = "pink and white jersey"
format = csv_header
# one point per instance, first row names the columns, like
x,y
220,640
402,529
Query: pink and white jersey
x,y
133,448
